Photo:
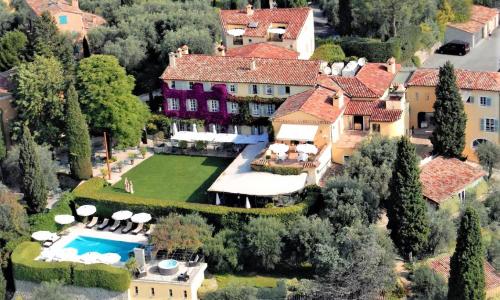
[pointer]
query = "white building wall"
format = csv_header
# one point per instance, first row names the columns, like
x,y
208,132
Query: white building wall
x,y
305,40
456,34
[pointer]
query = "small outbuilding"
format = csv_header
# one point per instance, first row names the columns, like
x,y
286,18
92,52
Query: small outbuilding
x,y
481,24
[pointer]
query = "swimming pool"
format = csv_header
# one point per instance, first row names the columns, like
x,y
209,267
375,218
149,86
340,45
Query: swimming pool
x,y
85,244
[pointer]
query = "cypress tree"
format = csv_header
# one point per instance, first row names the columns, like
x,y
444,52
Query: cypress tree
x,y
466,265
78,137
448,137
345,17
33,184
406,208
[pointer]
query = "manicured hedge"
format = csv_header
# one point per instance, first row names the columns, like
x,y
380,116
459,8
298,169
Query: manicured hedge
x,y
280,170
91,192
374,50
25,267
101,276
45,220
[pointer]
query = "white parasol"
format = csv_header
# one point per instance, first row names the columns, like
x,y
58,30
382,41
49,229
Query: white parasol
x,y
109,258
277,30
307,148
90,257
65,254
122,215
236,32
247,203
141,218
42,235
64,219
279,148
47,254
86,210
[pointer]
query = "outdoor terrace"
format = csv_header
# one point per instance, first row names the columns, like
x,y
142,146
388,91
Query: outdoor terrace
x,y
292,159
351,139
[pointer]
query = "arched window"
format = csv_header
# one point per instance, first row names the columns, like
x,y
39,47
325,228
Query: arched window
x,y
476,142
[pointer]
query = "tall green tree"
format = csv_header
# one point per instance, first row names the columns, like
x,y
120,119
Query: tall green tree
x,y
448,137
106,97
489,156
12,46
77,134
39,98
33,181
467,263
264,240
344,26
406,208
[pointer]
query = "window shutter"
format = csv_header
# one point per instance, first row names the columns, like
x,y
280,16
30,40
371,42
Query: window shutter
x,y
235,88
258,89
281,90
488,101
496,125
482,124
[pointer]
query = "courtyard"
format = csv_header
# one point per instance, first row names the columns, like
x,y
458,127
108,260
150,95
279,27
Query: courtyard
x,y
173,177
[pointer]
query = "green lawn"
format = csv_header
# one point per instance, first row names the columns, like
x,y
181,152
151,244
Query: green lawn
x,y
174,177
257,281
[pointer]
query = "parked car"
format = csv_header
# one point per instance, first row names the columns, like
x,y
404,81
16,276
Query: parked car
x,y
455,47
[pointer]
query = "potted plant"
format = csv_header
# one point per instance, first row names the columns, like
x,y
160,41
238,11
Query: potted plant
x,y
143,151
131,156
132,266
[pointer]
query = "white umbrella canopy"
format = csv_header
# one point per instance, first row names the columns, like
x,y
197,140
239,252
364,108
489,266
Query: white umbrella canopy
x,y
65,254
236,32
86,210
47,254
42,235
64,219
122,215
141,218
90,257
307,148
279,148
109,258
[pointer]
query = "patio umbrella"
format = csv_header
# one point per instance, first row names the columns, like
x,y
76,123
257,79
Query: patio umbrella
x,y
174,129
122,215
307,148
109,258
64,219
47,254
42,235
247,203
194,128
214,129
141,218
235,129
279,148
90,257
86,210
217,199
65,254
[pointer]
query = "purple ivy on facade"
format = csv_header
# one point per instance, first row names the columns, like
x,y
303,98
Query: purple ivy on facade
x,y
218,92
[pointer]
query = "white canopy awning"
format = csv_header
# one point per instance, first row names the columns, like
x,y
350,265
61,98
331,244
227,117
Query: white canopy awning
x,y
236,32
190,136
277,30
293,132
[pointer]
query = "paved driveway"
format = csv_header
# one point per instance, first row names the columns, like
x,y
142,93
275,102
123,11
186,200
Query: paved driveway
x,y
484,57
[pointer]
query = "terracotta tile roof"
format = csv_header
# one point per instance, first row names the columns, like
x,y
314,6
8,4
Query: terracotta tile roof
x,y
480,15
370,82
442,178
263,50
375,109
294,18
442,266
206,68
317,102
466,80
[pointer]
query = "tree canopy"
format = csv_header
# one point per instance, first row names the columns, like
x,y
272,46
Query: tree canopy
x,y
264,241
489,156
12,47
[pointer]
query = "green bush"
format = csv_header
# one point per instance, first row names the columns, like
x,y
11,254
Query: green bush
x,y
416,61
374,50
45,220
329,53
25,267
91,192
280,170
101,276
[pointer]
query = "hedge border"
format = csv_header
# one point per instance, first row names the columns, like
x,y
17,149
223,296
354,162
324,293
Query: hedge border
x,y
280,170
25,267
91,192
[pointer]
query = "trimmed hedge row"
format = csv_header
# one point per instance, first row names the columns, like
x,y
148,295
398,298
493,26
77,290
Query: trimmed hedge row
x,y
25,267
277,170
91,192
374,50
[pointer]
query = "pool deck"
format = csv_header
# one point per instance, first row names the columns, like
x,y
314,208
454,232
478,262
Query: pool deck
x,y
153,274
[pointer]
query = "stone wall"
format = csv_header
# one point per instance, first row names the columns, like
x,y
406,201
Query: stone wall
x,y
25,289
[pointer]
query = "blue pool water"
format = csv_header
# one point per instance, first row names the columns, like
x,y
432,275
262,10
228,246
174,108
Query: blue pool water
x,y
86,244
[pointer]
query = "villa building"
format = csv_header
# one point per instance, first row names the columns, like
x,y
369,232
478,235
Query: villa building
x,y
289,28
480,92
227,91
67,15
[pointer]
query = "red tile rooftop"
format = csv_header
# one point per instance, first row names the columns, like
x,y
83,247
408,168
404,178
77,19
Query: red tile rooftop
x,y
480,15
294,18
57,6
225,69
442,178
375,109
466,80
263,50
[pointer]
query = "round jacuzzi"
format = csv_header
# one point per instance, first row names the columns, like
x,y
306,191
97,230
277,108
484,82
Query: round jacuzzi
x,y
168,267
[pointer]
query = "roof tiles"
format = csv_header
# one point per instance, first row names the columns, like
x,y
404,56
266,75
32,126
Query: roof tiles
x,y
263,50
466,80
480,15
375,109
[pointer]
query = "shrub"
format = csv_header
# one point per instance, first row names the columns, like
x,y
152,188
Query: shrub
x,y
416,61
91,192
374,50
277,170
329,53
45,221
428,284
101,276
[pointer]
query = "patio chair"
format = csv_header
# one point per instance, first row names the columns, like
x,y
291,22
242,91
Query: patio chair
x,y
115,226
138,229
104,224
92,222
128,227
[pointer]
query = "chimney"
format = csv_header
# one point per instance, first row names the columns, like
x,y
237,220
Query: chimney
x,y
391,65
74,3
172,60
221,50
179,52
249,10
185,50
253,65
338,99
